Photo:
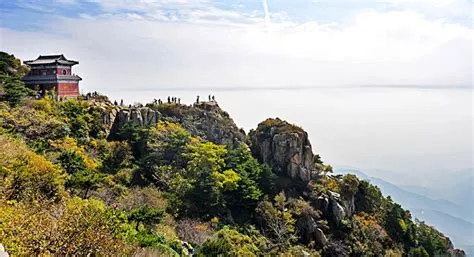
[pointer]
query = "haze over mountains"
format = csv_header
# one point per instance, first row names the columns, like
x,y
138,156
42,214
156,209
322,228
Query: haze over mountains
x,y
443,199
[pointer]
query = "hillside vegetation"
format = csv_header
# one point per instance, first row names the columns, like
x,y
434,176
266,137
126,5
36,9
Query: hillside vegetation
x,y
86,177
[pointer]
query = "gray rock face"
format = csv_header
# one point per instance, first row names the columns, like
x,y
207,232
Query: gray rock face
x,y
335,207
349,205
322,204
321,239
107,115
337,211
3,253
456,253
285,147
142,116
308,226
206,120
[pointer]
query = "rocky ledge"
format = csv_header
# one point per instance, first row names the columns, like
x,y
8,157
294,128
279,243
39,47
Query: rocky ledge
x,y
285,147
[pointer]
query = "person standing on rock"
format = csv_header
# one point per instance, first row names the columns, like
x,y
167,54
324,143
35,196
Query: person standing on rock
x,y
213,98
179,100
121,102
197,99
169,100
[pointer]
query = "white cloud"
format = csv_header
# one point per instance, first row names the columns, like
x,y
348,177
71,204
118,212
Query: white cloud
x,y
216,47
266,12
66,1
441,8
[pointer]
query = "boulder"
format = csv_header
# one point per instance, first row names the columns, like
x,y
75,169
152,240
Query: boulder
x,y
3,253
456,253
142,116
320,238
307,226
337,212
334,195
349,205
305,253
322,203
341,207
285,147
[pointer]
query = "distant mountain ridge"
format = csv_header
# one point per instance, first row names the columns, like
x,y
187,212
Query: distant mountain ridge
x,y
457,187
451,218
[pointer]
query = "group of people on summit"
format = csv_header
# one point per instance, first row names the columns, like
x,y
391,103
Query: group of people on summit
x,y
210,98
172,99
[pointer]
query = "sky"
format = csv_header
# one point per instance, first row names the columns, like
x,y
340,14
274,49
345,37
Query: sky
x,y
377,83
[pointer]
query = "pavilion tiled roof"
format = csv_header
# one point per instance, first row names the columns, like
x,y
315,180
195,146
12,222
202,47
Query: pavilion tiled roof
x,y
51,59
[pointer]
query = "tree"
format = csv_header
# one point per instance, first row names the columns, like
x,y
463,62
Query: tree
x,y
369,199
72,162
9,65
168,141
418,252
209,180
11,72
399,225
194,231
116,156
77,114
14,90
432,241
85,181
145,215
349,185
255,179
229,242
276,221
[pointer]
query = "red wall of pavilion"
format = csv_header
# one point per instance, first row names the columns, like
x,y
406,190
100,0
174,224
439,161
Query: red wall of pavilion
x,y
68,89
60,71
49,71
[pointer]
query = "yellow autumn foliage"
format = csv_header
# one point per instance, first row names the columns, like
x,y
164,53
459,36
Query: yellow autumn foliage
x,y
27,175
70,144
72,227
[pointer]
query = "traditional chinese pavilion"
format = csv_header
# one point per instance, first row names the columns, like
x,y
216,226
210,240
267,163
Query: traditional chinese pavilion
x,y
53,72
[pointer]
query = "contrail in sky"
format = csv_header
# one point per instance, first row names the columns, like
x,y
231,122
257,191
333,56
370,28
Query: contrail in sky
x,y
267,13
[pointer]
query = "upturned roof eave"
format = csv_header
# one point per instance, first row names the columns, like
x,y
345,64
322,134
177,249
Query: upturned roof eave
x,y
29,78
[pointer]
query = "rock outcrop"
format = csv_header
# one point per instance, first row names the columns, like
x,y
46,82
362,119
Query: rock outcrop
x,y
335,207
285,147
456,253
142,116
3,253
310,231
206,120
337,211
320,237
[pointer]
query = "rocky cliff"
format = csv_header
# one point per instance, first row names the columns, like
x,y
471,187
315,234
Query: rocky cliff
x,y
285,147
142,116
206,120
